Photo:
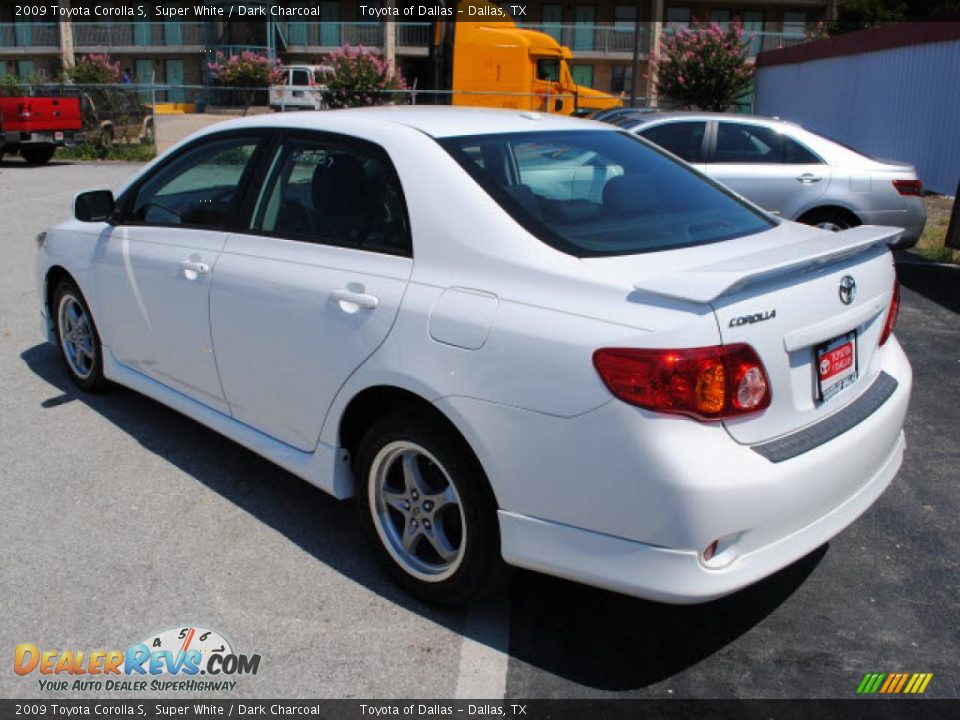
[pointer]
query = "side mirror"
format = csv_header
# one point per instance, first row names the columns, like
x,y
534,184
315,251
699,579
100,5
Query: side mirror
x,y
93,206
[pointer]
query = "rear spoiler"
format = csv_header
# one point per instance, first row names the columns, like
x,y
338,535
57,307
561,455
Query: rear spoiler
x,y
706,283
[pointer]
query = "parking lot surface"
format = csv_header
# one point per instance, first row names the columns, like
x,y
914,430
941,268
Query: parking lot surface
x,y
121,518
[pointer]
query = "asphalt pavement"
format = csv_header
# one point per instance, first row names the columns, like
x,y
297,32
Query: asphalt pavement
x,y
121,518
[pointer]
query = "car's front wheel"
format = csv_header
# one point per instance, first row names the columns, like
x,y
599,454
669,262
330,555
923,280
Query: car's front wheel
x,y
427,508
77,337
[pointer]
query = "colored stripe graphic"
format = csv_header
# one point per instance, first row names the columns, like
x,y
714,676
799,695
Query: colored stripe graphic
x,y
894,683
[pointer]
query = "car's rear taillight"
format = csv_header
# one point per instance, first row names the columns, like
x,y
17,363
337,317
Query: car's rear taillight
x,y
891,313
708,383
909,187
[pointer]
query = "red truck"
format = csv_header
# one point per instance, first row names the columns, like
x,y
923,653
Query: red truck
x,y
36,126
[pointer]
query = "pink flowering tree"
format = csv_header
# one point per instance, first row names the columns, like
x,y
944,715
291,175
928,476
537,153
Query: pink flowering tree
x,y
358,77
93,70
248,71
705,66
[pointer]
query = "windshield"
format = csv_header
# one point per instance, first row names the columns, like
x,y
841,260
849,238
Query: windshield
x,y
596,193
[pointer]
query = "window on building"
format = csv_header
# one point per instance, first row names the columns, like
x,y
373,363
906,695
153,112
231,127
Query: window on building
x,y
582,75
625,15
678,17
621,78
721,17
794,23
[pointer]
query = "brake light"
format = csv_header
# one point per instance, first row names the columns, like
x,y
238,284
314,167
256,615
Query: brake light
x,y
708,383
24,111
891,313
909,187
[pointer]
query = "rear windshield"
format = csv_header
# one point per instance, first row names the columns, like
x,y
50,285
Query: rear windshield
x,y
594,193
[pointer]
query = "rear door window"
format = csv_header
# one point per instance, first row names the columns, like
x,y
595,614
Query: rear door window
x,y
741,143
683,139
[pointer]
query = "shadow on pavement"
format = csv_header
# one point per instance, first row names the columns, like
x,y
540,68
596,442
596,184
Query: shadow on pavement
x,y
936,282
599,639
612,642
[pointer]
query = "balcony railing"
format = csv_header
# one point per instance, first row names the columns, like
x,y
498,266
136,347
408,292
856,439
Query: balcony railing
x,y
763,40
583,38
29,35
92,35
333,34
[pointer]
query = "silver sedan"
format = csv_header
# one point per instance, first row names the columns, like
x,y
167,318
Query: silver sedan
x,y
790,171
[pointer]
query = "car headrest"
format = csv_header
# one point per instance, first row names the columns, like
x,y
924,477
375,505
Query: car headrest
x,y
631,193
340,186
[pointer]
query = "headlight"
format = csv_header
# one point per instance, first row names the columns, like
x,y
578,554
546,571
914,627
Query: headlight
x,y
41,237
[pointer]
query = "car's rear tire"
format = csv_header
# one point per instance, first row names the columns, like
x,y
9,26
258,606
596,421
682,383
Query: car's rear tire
x,y
37,156
831,219
77,337
427,509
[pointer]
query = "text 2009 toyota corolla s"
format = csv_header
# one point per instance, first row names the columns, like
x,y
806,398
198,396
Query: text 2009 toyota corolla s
x,y
512,337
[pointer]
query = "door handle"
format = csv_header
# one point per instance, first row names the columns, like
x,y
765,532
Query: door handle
x,y
361,300
808,178
194,268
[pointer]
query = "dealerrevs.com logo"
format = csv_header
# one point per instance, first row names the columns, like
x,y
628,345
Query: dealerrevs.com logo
x,y
173,659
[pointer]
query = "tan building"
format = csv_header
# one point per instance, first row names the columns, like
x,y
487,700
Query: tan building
x,y
603,36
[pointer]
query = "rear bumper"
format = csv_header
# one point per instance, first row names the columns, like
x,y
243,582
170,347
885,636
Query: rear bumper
x,y
674,576
628,501
58,138
912,219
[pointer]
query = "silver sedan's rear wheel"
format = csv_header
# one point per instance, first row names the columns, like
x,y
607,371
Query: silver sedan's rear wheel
x,y
418,513
427,508
77,337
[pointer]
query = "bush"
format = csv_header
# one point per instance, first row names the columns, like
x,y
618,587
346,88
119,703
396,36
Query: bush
x,y
248,71
358,78
93,70
706,66
12,86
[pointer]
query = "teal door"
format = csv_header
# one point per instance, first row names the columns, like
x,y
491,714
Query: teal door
x,y
141,34
552,21
297,31
172,34
330,24
144,72
22,34
26,69
174,73
753,23
584,17
582,75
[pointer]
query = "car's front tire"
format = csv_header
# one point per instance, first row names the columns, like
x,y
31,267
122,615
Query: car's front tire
x,y
77,337
427,509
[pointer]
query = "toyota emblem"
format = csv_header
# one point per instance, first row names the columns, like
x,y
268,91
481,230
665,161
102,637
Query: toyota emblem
x,y
848,290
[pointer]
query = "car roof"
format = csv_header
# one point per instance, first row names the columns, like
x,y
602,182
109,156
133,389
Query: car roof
x,y
649,118
435,121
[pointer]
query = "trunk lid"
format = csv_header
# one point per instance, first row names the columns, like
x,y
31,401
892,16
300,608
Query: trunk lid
x,y
780,293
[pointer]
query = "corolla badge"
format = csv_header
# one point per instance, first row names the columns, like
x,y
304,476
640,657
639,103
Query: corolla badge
x,y
848,289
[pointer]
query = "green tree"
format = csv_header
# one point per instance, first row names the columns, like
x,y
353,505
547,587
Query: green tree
x,y
705,66
248,71
358,77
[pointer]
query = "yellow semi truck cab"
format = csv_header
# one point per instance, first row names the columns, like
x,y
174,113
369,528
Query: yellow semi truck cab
x,y
497,64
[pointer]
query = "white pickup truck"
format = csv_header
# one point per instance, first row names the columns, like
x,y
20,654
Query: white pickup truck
x,y
303,88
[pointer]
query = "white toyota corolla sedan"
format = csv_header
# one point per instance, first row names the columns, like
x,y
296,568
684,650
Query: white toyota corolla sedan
x,y
512,337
